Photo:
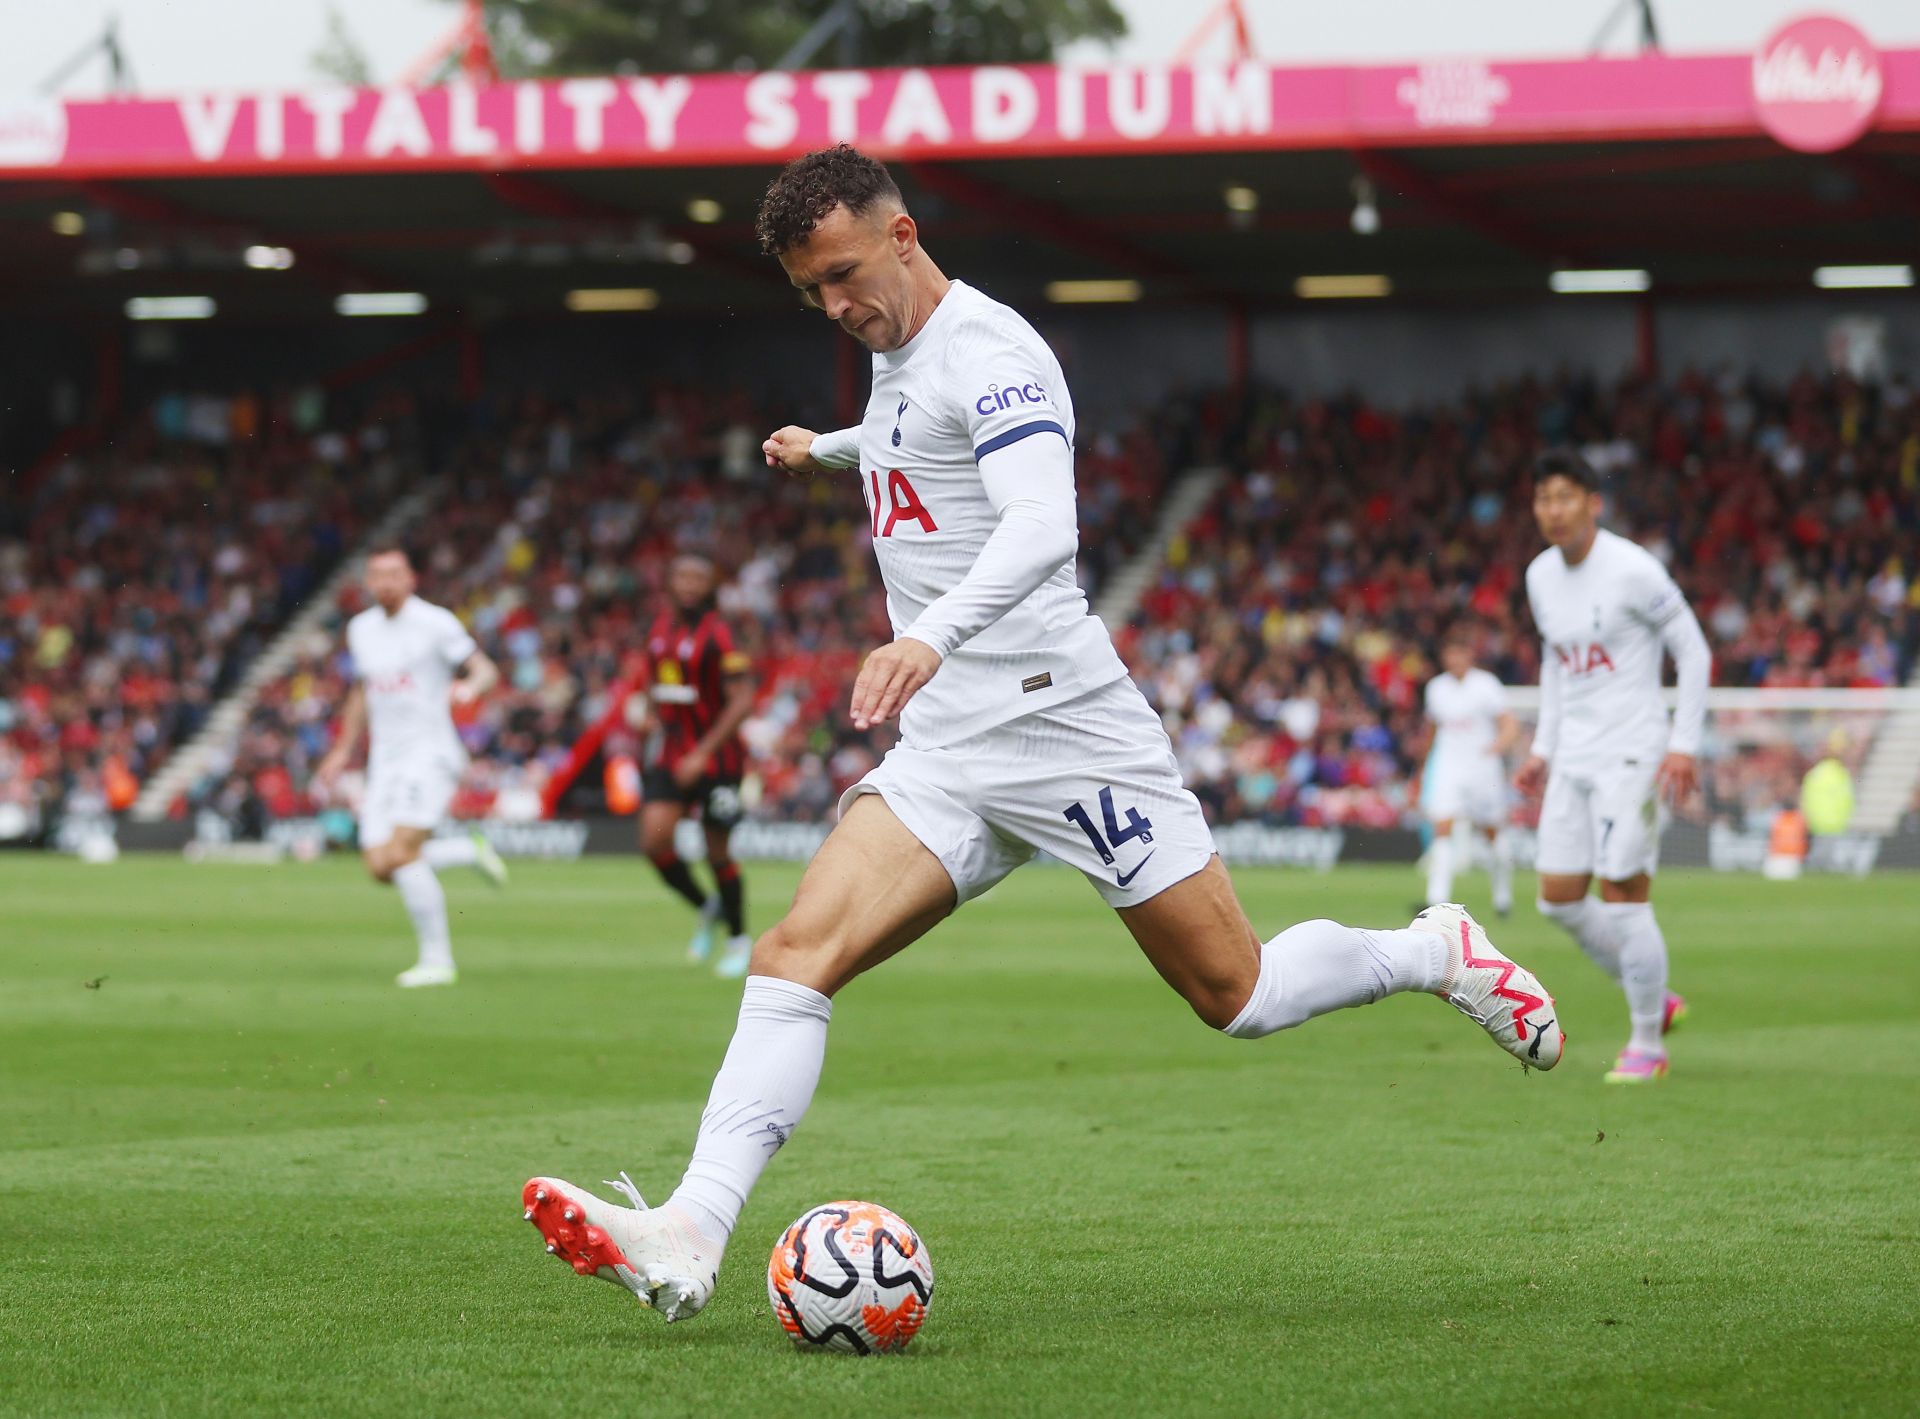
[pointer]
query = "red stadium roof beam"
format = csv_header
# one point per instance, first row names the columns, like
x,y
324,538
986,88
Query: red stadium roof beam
x,y
543,199
168,212
1049,223
1395,174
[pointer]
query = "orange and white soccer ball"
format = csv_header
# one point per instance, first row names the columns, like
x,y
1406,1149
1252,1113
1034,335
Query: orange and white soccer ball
x,y
850,1276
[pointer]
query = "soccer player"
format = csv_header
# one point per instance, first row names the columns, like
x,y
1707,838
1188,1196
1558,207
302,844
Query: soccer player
x,y
412,663
1469,732
1607,610
700,694
1020,731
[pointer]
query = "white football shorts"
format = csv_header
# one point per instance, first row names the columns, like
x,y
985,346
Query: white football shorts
x,y
1603,821
1475,793
1092,782
413,795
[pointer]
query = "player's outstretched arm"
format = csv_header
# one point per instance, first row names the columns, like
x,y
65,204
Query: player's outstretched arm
x,y
793,449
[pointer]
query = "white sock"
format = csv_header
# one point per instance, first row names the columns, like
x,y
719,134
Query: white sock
x,y
449,852
1643,971
1320,966
1501,849
1590,928
427,905
759,1097
1440,870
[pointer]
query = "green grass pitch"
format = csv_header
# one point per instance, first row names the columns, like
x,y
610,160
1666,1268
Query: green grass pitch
x,y
244,1174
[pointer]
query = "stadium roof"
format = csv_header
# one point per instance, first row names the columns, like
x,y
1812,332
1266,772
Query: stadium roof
x,y
1226,184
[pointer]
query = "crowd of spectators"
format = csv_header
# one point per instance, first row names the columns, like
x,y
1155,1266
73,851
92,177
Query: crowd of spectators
x,y
140,574
1285,640
1289,634
551,541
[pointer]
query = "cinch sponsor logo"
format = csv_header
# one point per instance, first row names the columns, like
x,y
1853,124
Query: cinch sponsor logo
x,y
997,398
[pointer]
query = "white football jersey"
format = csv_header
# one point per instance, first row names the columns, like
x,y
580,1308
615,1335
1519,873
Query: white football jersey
x,y
1601,623
976,378
406,662
1466,720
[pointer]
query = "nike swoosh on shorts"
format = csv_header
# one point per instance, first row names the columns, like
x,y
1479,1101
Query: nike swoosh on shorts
x,y
1122,878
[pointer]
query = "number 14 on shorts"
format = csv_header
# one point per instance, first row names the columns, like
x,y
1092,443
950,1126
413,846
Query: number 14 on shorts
x,y
1117,832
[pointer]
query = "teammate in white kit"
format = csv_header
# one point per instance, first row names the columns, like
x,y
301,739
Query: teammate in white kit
x,y
1608,613
412,663
1469,734
1019,731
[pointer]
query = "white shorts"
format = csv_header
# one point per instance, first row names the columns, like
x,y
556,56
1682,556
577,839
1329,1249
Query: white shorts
x,y
1604,822
1091,782
412,795
1476,794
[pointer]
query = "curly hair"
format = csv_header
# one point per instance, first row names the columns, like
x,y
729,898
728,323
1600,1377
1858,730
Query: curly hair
x,y
809,187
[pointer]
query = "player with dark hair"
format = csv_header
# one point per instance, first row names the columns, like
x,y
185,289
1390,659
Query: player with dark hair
x,y
1020,731
700,690
412,663
1608,614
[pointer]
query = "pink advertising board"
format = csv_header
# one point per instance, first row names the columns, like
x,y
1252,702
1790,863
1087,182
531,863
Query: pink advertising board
x,y
1812,86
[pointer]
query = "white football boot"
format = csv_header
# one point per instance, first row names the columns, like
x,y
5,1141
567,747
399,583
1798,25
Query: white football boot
x,y
415,977
1501,996
655,1252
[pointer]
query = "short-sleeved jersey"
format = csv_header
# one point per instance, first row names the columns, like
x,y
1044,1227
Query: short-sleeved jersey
x,y
690,662
406,662
1601,623
1466,719
976,378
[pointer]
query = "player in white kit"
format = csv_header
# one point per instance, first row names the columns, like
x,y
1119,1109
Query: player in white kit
x,y
412,663
1608,613
1020,731
1470,732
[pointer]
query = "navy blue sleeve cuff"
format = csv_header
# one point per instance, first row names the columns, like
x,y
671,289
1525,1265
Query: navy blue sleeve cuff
x,y
1014,435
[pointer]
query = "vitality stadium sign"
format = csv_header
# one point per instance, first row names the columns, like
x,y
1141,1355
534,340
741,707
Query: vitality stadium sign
x,y
959,112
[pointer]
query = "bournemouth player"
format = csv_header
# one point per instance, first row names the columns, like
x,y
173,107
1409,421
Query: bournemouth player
x,y
1608,613
700,693
1469,732
412,663
1020,731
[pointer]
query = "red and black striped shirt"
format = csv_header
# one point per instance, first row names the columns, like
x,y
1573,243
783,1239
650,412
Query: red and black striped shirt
x,y
689,664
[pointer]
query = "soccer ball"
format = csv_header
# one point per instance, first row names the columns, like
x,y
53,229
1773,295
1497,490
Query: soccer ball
x,y
850,1276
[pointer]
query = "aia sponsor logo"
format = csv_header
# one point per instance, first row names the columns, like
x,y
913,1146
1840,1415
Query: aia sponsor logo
x,y
1817,84
897,500
1585,659
397,683
997,398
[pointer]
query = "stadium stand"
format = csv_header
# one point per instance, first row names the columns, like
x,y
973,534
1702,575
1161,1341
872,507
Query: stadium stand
x,y
1285,639
552,545
139,576
1288,637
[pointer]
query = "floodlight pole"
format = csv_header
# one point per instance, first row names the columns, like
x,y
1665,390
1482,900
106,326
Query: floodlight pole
x,y
1227,12
119,72
841,21
468,40
1649,26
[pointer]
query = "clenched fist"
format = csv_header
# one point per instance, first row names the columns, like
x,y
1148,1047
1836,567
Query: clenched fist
x,y
791,450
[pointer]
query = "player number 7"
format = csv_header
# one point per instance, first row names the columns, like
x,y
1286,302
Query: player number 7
x,y
1135,826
